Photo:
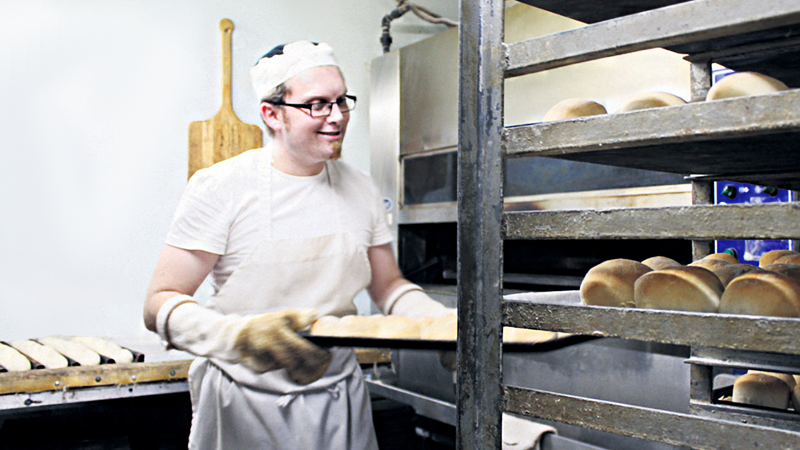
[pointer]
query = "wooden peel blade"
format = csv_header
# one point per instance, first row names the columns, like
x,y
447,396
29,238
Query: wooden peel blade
x,y
224,135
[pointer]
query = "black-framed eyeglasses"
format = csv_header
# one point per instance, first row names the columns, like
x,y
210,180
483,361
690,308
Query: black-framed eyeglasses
x,y
346,103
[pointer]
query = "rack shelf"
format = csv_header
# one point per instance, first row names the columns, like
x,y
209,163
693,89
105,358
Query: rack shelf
x,y
719,140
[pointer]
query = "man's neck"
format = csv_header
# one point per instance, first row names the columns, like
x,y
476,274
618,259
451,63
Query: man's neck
x,y
286,163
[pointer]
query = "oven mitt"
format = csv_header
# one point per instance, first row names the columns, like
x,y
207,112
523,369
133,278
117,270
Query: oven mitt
x,y
261,343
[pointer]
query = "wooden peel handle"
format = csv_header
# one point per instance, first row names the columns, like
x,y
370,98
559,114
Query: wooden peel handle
x,y
226,26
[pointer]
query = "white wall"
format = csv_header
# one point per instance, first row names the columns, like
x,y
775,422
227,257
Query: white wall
x,y
95,101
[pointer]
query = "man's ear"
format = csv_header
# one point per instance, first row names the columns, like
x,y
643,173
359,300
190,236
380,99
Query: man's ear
x,y
271,115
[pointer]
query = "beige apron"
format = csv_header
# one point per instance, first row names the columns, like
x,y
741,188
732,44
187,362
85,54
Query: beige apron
x,y
235,408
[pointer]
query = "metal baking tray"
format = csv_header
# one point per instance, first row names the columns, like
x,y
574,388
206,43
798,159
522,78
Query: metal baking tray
x,y
422,344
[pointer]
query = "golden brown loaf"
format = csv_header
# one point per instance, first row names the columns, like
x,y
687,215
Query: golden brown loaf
x,y
660,262
610,283
723,256
760,389
790,270
792,258
728,273
649,100
785,377
769,257
684,288
443,328
572,108
796,398
745,84
711,264
763,294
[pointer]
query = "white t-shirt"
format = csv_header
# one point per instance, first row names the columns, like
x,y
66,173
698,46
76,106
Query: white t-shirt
x,y
219,210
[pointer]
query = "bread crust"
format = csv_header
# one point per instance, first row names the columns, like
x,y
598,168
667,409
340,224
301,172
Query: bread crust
x,y
572,108
684,288
660,262
744,84
647,100
763,294
760,389
610,283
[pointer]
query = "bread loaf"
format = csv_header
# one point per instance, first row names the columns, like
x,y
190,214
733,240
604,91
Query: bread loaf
x,y
711,264
790,270
796,397
649,100
684,288
398,327
760,389
660,262
528,336
785,377
72,350
769,257
12,360
763,294
610,283
744,84
106,348
443,328
793,258
44,355
728,273
723,256
572,108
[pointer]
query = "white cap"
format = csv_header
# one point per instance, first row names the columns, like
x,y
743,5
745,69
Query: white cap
x,y
285,61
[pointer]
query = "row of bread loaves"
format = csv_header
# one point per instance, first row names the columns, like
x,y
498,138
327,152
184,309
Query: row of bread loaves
x,y
55,352
442,328
742,84
716,283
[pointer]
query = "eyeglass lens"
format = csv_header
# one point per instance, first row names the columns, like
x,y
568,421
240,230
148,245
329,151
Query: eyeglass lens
x,y
322,109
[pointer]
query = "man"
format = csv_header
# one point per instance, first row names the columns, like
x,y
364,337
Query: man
x,y
288,233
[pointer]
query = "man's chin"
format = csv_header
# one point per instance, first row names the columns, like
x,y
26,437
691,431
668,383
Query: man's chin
x,y
337,150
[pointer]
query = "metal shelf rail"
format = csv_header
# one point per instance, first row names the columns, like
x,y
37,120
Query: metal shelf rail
x,y
687,139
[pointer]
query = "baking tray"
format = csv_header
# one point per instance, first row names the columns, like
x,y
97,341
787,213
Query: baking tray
x,y
422,344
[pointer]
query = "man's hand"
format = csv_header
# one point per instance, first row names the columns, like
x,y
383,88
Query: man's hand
x,y
269,342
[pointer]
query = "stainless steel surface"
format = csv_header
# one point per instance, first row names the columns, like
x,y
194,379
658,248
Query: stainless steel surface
x,y
423,405
653,424
669,26
563,312
480,204
752,221
384,124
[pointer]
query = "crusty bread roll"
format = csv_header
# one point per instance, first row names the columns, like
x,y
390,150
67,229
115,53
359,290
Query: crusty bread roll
x,y
324,326
572,108
793,258
769,257
106,348
44,355
790,270
647,100
760,389
72,350
796,397
684,288
763,294
711,264
443,328
610,283
398,327
660,262
785,377
723,256
528,336
744,84
728,273
12,360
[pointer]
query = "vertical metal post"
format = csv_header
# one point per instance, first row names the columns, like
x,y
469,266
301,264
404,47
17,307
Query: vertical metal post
x,y
702,191
480,209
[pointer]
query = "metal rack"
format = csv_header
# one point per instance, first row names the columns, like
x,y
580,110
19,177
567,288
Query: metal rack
x,y
713,141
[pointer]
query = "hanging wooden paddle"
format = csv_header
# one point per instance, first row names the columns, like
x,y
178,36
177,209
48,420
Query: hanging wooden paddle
x,y
224,135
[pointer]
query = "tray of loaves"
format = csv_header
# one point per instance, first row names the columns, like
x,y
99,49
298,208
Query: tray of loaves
x,y
60,352
423,333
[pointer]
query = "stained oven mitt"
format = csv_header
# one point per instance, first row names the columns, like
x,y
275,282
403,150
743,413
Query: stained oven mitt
x,y
261,343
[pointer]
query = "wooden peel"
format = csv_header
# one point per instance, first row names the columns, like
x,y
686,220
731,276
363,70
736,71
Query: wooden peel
x,y
224,135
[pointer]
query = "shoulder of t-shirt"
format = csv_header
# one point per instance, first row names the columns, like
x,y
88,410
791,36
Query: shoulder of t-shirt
x,y
352,174
235,171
